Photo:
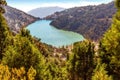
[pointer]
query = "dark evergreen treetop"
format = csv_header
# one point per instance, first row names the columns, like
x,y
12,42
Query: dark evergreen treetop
x,y
2,3
117,2
110,46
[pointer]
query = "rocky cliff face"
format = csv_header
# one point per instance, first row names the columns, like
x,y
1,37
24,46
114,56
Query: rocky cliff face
x,y
17,19
90,21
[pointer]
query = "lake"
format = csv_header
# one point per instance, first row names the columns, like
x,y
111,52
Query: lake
x,y
53,36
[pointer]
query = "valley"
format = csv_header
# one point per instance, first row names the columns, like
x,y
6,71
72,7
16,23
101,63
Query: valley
x,y
79,43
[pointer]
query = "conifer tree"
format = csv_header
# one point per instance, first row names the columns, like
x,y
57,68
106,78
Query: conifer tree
x,y
2,3
110,46
100,73
55,71
80,64
24,53
117,3
4,33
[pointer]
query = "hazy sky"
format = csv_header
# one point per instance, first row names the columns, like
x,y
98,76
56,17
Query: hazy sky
x,y
27,5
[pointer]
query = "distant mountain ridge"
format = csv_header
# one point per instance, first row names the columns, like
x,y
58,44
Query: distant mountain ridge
x,y
44,11
90,21
17,19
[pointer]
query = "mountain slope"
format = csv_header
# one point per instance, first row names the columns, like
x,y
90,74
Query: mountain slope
x,y
90,21
17,19
44,11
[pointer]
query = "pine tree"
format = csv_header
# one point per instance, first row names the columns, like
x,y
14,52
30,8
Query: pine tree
x,y
110,46
2,3
55,71
5,35
26,33
117,3
23,53
80,64
100,73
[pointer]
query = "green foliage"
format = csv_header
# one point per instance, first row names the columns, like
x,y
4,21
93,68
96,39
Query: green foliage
x,y
24,53
55,71
21,51
110,47
100,73
80,64
5,35
43,48
26,33
117,2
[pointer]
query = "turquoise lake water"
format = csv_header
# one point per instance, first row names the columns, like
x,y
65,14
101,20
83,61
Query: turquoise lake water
x,y
50,35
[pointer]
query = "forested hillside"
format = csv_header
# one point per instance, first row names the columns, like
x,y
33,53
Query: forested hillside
x,y
23,57
90,21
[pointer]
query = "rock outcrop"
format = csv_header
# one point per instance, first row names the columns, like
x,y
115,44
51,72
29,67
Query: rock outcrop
x,y
17,19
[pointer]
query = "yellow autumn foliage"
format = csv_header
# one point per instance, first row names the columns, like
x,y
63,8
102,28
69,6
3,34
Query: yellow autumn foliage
x,y
16,74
